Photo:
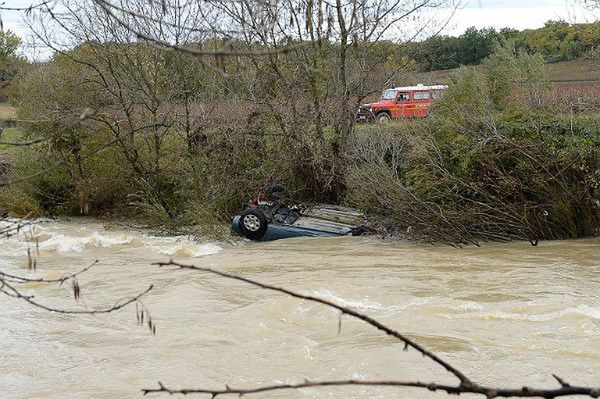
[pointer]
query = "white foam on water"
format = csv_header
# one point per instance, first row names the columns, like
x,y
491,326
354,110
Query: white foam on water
x,y
583,310
465,306
591,329
191,250
466,310
51,237
366,304
65,243
363,304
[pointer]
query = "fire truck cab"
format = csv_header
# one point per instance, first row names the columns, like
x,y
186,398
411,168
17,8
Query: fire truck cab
x,y
401,102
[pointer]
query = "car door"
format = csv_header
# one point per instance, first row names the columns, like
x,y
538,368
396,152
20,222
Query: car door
x,y
402,100
420,104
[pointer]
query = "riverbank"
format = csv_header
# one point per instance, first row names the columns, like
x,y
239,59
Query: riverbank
x,y
419,179
499,159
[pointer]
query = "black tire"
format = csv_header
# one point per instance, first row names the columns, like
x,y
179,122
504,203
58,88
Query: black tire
x,y
253,224
383,117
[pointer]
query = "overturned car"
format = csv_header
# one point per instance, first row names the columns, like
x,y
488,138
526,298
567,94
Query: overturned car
x,y
270,216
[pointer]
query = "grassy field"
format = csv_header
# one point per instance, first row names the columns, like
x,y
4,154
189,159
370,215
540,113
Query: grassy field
x,y
7,112
580,70
585,69
9,134
575,84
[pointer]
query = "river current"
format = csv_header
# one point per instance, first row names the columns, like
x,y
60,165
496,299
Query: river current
x,y
505,314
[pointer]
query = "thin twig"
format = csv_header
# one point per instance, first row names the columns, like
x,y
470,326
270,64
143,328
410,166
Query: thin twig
x,y
465,385
408,342
43,280
524,392
13,292
25,143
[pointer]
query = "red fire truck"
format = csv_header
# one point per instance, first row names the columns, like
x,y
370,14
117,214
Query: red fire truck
x,y
401,102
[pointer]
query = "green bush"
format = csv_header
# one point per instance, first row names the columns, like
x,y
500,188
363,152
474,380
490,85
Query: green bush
x,y
483,168
18,203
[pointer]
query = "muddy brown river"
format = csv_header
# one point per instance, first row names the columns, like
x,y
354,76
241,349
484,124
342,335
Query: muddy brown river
x,y
505,314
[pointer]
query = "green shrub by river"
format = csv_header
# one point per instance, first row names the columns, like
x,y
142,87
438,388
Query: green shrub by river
x,y
493,162
498,182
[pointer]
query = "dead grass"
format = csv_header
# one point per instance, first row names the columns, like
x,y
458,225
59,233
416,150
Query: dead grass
x,y
7,112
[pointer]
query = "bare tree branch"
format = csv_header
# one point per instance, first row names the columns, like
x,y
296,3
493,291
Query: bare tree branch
x,y
14,227
43,280
223,52
524,392
29,7
25,143
408,342
465,385
10,290
10,285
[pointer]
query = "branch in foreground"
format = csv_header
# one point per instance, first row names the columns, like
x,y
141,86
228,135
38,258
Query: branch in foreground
x,y
25,143
14,227
223,52
525,392
10,290
9,284
408,342
20,279
465,385
8,287
30,7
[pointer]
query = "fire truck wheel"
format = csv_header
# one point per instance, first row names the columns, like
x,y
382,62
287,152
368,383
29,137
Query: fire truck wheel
x,y
383,117
253,224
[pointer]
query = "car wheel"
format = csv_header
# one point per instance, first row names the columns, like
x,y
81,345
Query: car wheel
x,y
253,224
383,117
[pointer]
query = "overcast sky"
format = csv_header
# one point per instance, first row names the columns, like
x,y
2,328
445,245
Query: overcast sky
x,y
518,14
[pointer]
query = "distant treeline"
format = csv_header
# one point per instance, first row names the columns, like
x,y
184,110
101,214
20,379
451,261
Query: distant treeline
x,y
556,41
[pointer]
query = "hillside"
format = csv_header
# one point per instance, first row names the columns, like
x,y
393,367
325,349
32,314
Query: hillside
x,y
585,69
578,81
574,81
